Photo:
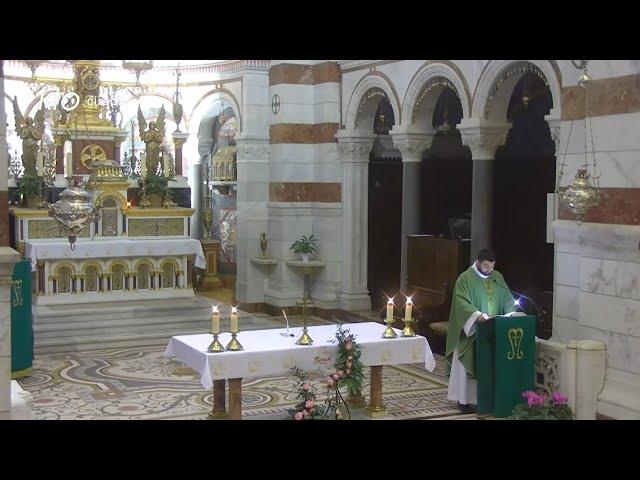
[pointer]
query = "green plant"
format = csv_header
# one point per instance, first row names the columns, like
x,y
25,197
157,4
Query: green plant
x,y
304,245
29,185
543,407
156,184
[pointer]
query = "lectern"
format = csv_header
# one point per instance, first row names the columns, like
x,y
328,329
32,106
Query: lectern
x,y
21,326
505,362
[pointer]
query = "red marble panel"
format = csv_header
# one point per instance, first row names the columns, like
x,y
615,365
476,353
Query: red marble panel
x,y
619,206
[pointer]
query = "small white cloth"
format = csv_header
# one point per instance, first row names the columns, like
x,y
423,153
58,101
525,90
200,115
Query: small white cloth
x,y
121,247
266,352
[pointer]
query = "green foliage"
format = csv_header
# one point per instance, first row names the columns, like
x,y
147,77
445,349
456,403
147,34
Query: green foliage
x,y
156,184
29,185
304,245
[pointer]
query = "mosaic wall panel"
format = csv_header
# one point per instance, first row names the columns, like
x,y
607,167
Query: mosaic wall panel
x,y
50,229
156,227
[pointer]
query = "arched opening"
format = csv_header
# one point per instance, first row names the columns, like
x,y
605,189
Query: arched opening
x,y
117,277
64,280
446,174
524,174
384,208
91,279
144,277
109,217
168,275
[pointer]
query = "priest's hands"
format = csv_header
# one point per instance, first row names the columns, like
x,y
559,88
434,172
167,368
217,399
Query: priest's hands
x,y
483,317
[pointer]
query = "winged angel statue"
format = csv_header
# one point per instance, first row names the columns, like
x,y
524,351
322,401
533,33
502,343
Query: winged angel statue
x,y
153,137
30,131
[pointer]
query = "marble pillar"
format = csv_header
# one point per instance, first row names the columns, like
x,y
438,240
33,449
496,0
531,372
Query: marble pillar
x,y
179,140
8,258
354,148
483,138
411,144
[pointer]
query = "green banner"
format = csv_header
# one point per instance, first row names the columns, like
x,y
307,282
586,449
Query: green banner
x,y
505,363
21,325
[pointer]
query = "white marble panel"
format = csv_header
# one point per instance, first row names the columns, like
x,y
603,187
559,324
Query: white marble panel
x,y
607,277
293,94
257,95
294,113
567,267
565,235
613,242
5,383
293,153
328,112
618,169
614,314
292,172
564,329
328,92
611,133
623,351
566,301
252,211
327,172
253,191
249,171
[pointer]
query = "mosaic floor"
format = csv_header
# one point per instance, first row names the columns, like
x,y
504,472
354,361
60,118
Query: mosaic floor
x,y
138,383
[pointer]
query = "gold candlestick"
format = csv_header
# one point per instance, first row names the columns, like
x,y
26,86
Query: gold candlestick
x,y
215,346
304,339
389,332
408,320
234,344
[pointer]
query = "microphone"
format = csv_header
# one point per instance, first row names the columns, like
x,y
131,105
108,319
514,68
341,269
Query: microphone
x,y
535,305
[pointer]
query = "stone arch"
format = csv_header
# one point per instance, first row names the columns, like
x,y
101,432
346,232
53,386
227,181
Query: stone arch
x,y
144,274
499,78
169,268
206,101
425,88
361,111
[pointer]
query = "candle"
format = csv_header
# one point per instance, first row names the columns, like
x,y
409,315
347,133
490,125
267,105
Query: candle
x,y
143,165
167,165
390,311
68,166
407,312
128,204
215,320
234,319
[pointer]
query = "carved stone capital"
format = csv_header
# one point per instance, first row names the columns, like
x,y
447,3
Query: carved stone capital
x,y
411,145
483,139
354,147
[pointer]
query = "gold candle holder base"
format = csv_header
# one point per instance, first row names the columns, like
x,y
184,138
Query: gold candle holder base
x,y
389,332
304,339
215,346
408,331
234,344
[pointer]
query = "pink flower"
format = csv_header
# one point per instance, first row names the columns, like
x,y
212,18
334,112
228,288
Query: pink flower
x,y
341,373
298,416
535,399
336,376
308,404
306,386
330,382
305,414
559,398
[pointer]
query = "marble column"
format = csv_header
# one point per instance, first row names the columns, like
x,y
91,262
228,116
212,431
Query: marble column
x,y
411,143
354,149
4,165
483,138
178,141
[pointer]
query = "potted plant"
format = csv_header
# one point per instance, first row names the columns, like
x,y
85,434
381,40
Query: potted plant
x,y
304,246
543,407
30,187
156,188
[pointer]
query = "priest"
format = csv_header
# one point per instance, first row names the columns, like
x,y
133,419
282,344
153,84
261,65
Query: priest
x,y
480,293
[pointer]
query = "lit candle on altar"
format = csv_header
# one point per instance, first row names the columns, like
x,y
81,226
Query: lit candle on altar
x,y
68,165
407,311
128,204
234,319
215,320
390,311
167,165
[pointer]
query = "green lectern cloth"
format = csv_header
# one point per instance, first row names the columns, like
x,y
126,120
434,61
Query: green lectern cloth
x,y
21,329
505,362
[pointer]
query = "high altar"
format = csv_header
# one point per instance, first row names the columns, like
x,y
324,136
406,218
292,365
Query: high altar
x,y
129,252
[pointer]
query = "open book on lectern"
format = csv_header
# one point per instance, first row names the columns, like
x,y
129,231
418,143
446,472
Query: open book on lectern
x,y
510,314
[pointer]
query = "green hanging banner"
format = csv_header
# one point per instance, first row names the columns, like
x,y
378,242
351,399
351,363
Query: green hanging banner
x,y
505,363
21,324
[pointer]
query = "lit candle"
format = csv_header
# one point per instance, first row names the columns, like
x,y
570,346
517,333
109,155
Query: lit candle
x,y
68,166
407,311
128,204
390,311
234,319
143,165
167,165
215,320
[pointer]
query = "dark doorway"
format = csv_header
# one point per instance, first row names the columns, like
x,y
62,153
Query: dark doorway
x,y
385,210
524,173
446,172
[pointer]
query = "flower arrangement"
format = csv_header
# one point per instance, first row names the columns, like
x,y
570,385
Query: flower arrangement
x,y
348,374
543,407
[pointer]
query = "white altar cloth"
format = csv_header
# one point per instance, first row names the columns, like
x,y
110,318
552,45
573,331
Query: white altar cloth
x,y
266,352
121,247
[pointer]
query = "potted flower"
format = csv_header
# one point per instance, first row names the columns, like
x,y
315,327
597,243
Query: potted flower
x,y
156,188
304,246
543,407
30,187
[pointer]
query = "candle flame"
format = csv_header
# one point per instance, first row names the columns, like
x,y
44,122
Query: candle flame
x,y
409,300
234,309
214,309
128,204
390,302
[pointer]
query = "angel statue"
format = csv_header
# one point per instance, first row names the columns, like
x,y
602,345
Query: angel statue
x,y
30,131
153,138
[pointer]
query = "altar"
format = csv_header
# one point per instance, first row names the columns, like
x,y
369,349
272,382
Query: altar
x,y
267,352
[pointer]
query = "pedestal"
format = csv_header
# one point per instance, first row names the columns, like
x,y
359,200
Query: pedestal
x,y
219,409
210,281
376,408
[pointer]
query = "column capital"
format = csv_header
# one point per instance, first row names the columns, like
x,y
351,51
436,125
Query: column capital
x,y
554,120
411,141
252,147
179,138
354,145
483,137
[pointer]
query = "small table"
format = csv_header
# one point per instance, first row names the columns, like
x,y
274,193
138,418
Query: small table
x,y
266,352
